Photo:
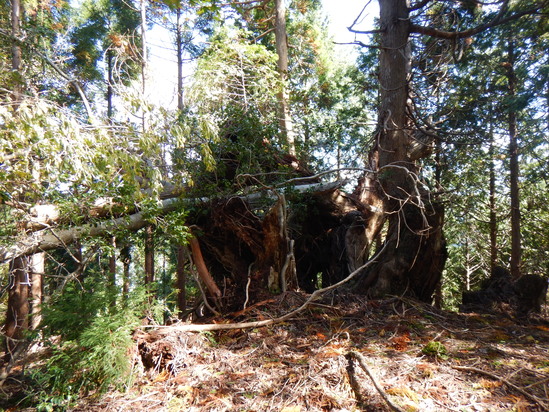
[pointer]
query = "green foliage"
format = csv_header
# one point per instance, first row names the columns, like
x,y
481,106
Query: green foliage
x,y
174,227
232,115
436,349
106,28
94,343
41,22
236,80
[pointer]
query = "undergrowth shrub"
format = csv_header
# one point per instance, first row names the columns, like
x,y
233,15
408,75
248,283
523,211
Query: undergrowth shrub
x,y
89,335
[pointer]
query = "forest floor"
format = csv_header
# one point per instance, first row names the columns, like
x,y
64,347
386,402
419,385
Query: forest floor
x,y
332,357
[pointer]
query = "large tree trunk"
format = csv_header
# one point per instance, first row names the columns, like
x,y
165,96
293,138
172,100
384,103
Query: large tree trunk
x,y
46,240
413,262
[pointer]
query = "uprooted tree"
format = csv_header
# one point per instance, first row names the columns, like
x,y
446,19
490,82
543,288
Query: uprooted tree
x,y
341,229
267,235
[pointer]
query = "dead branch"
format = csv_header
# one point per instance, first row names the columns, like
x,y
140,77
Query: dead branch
x,y
537,383
353,382
355,22
533,398
203,271
359,43
202,293
357,356
21,348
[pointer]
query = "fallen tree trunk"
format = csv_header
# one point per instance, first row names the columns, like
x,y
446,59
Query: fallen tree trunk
x,y
53,238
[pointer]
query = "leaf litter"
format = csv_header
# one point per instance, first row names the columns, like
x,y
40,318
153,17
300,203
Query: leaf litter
x,y
343,354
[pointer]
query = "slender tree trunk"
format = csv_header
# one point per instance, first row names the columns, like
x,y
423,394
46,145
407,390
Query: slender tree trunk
x,y
125,256
112,262
514,167
493,215
438,302
181,274
468,271
546,96
110,110
144,60
112,269
17,316
285,119
37,267
149,254
179,46
181,280
16,60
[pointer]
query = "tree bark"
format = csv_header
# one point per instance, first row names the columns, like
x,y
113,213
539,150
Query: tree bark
x,y
37,267
16,59
181,280
17,316
513,165
149,254
414,261
281,38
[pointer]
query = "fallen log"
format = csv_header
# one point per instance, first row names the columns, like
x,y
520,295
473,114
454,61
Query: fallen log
x,y
51,237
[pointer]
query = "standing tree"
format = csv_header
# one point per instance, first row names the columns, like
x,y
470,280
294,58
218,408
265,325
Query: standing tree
x,y
281,39
392,189
104,45
513,158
